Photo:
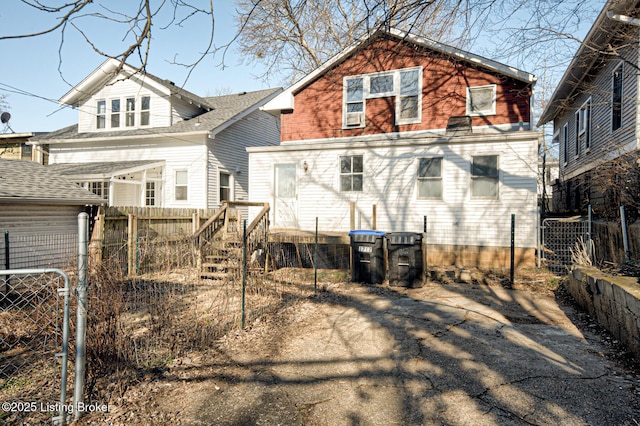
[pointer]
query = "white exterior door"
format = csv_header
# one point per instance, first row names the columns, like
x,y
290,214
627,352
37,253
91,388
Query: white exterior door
x,y
286,196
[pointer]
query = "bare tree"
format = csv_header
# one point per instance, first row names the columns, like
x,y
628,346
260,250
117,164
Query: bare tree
x,y
131,22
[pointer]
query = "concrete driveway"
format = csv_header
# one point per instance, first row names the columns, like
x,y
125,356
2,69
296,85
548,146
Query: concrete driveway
x,y
454,354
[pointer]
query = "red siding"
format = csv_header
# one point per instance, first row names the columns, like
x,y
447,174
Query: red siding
x,y
317,110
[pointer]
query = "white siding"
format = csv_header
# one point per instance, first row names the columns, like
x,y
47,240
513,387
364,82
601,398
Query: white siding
x,y
160,112
178,154
390,184
227,152
39,235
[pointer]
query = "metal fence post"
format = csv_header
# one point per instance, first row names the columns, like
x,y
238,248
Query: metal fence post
x,y
81,322
513,248
315,260
244,267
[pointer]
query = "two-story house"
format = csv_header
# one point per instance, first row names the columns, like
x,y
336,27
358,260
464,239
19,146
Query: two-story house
x,y
142,141
594,111
402,127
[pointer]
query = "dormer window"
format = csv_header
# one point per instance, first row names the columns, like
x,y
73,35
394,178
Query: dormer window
x,y
101,115
117,113
403,84
130,114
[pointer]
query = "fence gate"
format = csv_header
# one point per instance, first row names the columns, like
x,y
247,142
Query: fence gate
x,y
559,238
34,343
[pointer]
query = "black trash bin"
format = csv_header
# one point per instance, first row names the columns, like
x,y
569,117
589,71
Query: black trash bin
x,y
368,256
405,259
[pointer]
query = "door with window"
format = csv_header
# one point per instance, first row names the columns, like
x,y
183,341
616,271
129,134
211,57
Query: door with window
x,y
286,196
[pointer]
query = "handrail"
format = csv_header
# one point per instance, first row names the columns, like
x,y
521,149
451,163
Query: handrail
x,y
259,217
210,221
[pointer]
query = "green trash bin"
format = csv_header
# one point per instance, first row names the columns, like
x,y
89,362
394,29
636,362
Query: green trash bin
x,y
405,259
368,256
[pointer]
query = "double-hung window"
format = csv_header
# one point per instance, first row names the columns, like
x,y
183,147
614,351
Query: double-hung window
x,y
145,110
351,173
181,185
430,178
484,176
583,127
225,187
405,85
481,100
115,113
616,98
130,114
565,142
101,114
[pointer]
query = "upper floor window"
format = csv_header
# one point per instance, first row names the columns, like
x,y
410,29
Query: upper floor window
x,y
115,113
145,107
403,84
484,176
130,114
101,114
616,98
583,127
351,173
481,100
430,178
565,142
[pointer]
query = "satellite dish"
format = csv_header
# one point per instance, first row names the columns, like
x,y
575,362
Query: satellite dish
x,y
5,117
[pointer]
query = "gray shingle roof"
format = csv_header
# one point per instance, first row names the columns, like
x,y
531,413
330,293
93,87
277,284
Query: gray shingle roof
x,y
224,109
26,181
105,168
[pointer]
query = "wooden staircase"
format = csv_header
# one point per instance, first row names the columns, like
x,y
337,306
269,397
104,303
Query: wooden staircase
x,y
219,241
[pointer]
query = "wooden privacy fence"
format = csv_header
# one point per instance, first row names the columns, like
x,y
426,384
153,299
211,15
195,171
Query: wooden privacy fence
x,y
145,238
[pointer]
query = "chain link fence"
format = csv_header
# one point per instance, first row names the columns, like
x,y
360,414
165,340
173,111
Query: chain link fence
x,y
34,346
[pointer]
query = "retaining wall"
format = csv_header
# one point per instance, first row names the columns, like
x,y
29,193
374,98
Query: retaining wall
x,y
614,301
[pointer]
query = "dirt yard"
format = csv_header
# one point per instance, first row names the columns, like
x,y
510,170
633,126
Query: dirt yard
x,y
449,353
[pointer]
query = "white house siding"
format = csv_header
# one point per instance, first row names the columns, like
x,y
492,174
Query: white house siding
x,y
227,152
390,183
159,103
178,154
39,235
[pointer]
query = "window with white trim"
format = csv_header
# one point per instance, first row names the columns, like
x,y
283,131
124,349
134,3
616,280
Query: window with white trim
x,y
100,188
145,110
430,178
115,113
101,114
404,84
484,176
351,173
481,100
181,185
225,186
130,114
150,194
565,142
583,127
616,98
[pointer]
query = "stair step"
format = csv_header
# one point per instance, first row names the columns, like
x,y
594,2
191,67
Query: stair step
x,y
214,275
220,266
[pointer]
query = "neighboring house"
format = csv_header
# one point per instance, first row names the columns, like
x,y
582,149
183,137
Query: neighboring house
x,y
142,141
414,127
39,215
547,177
15,146
594,111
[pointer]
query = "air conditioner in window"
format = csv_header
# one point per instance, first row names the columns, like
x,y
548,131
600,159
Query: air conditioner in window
x,y
354,119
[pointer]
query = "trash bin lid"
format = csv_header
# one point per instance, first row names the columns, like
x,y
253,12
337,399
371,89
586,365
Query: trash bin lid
x,y
404,238
367,232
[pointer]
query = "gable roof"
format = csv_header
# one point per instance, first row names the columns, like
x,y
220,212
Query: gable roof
x,y
591,50
225,110
110,69
29,182
284,101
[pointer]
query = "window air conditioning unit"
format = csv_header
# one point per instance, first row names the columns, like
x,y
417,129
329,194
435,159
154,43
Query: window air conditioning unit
x,y
354,119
